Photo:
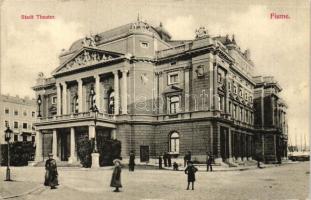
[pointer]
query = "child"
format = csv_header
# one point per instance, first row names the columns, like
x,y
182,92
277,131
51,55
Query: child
x,y
116,175
191,170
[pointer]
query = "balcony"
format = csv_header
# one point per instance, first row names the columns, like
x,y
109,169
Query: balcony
x,y
77,116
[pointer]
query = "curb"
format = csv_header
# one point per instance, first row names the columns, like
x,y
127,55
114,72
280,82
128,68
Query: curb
x,y
24,193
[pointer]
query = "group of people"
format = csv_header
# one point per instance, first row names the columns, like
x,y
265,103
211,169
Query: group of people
x,y
51,175
167,159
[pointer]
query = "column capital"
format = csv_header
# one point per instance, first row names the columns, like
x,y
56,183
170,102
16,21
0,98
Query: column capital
x,y
115,72
124,71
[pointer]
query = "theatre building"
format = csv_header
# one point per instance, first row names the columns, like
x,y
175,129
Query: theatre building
x,y
153,94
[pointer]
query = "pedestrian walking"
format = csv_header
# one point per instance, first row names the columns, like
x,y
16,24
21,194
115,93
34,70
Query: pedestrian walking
x,y
132,161
169,160
190,171
116,175
209,161
160,162
165,159
51,174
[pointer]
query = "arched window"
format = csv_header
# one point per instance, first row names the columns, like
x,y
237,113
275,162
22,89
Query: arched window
x,y
174,142
111,102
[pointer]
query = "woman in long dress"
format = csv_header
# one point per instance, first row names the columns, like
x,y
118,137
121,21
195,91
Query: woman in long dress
x,y
51,175
116,175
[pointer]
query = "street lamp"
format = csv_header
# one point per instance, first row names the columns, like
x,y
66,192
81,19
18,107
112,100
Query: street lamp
x,y
7,136
39,102
94,109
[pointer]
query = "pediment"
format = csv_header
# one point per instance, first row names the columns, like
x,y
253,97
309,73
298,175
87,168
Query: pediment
x,y
87,56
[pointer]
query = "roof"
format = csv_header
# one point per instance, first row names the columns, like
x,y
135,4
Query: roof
x,y
102,37
18,100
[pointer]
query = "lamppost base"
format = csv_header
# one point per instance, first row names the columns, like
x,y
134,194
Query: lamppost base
x,y
95,160
8,175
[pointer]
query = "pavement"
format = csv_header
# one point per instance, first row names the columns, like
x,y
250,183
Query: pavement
x,y
28,182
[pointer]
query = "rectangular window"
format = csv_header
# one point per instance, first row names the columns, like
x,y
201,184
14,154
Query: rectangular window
x,y
219,77
15,124
241,114
174,104
144,44
25,125
221,103
240,92
33,114
6,123
173,78
54,99
234,111
7,111
15,112
234,89
15,137
24,138
33,138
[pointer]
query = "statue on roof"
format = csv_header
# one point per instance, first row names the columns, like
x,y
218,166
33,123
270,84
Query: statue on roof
x,y
89,41
201,32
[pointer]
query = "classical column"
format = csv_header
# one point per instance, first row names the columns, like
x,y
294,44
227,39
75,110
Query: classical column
x,y
72,157
116,92
215,85
187,93
38,157
244,147
230,144
64,98
263,147
114,134
218,155
238,146
211,80
227,93
274,144
59,99
80,95
54,144
124,91
91,131
98,93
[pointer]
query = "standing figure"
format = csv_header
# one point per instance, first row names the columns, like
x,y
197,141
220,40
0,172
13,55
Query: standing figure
x,y
209,161
190,171
175,166
51,174
116,175
169,160
132,161
160,162
165,159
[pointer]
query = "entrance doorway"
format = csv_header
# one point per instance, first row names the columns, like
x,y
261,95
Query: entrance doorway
x,y
224,143
64,138
144,153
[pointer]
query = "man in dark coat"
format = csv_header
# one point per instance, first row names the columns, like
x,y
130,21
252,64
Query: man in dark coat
x,y
132,161
160,162
165,159
51,174
116,175
169,160
190,171
209,161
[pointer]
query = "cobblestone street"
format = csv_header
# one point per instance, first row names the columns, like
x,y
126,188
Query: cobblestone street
x,y
288,181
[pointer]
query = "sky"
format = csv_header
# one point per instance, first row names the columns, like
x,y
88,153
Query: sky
x,y
279,47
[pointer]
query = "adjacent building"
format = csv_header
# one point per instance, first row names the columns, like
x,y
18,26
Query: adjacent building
x,y
20,115
155,95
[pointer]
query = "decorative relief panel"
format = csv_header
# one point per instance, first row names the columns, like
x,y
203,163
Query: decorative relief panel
x,y
86,58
